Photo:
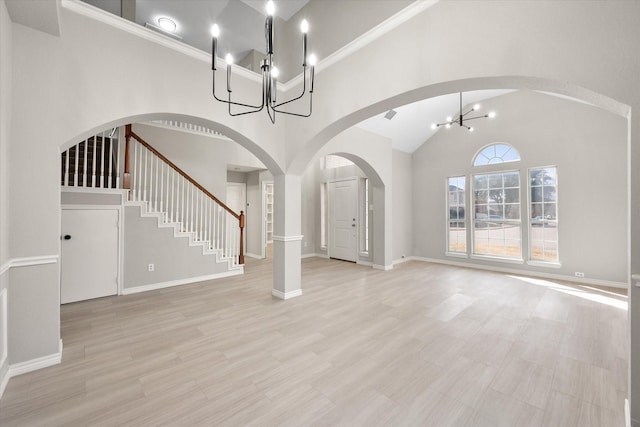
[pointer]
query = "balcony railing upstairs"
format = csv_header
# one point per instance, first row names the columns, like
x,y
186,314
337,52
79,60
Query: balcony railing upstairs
x,y
92,162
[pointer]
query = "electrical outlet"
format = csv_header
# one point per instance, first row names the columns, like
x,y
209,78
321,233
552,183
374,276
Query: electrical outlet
x,y
579,274
151,267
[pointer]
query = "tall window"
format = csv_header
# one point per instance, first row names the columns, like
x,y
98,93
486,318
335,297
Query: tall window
x,y
457,241
543,222
496,214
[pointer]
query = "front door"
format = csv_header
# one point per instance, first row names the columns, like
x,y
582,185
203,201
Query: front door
x,y
89,263
343,224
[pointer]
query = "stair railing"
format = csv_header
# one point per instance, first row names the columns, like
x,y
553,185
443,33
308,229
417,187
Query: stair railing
x,y
168,190
92,162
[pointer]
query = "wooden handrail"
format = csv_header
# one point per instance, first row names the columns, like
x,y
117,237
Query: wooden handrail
x,y
240,217
131,133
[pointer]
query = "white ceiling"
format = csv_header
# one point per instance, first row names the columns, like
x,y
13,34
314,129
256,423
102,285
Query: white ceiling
x,y
411,126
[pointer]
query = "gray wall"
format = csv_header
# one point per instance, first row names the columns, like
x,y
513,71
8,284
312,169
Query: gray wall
x,y
5,132
145,243
587,145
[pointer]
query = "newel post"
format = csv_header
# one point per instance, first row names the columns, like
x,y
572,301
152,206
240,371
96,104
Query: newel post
x,y
241,221
127,171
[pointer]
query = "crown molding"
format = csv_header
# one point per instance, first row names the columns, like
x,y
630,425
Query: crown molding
x,y
369,37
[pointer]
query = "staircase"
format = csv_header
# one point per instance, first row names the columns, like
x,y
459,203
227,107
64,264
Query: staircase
x,y
160,190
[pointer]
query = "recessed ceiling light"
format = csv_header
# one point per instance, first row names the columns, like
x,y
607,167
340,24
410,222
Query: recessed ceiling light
x,y
167,24
390,114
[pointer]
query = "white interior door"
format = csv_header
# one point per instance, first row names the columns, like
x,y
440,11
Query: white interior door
x,y
89,263
343,223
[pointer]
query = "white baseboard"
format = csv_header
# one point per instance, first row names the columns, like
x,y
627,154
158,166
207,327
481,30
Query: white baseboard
x,y
155,286
250,255
4,380
383,267
30,366
286,295
541,274
365,263
315,255
401,260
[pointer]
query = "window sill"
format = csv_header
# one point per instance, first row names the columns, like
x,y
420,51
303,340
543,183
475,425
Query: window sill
x,y
457,254
544,264
498,259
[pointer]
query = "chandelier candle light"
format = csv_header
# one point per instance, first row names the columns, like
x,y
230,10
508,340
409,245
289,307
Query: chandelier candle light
x,y
462,118
270,73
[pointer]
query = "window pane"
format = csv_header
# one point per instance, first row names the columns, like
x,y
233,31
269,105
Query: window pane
x,y
512,195
543,225
480,182
457,234
512,180
495,180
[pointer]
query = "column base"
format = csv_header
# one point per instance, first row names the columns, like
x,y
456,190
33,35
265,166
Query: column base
x,y
286,295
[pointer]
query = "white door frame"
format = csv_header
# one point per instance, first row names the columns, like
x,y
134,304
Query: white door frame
x,y
119,208
329,215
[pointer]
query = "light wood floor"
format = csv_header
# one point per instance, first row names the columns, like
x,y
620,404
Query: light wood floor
x,y
423,345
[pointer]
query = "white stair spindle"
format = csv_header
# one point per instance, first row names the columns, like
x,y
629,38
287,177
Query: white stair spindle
x,y
186,207
84,163
150,199
102,164
66,167
206,222
110,160
173,195
161,177
118,151
182,220
144,177
157,186
93,167
134,183
75,170
196,213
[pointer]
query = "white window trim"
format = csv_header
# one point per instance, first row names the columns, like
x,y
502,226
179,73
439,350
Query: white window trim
x,y
537,262
447,220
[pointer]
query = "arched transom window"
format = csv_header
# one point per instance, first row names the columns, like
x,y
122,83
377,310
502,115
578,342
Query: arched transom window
x,y
496,153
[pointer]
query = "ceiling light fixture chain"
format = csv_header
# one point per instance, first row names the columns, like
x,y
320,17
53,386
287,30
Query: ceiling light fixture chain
x,y
462,118
270,73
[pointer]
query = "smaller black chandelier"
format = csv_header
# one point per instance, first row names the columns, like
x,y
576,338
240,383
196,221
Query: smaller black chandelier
x,y
269,74
462,118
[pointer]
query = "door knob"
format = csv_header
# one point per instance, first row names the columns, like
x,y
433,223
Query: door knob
x,y
67,237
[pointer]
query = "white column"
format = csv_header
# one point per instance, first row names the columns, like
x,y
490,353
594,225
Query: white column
x,y
634,257
287,240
